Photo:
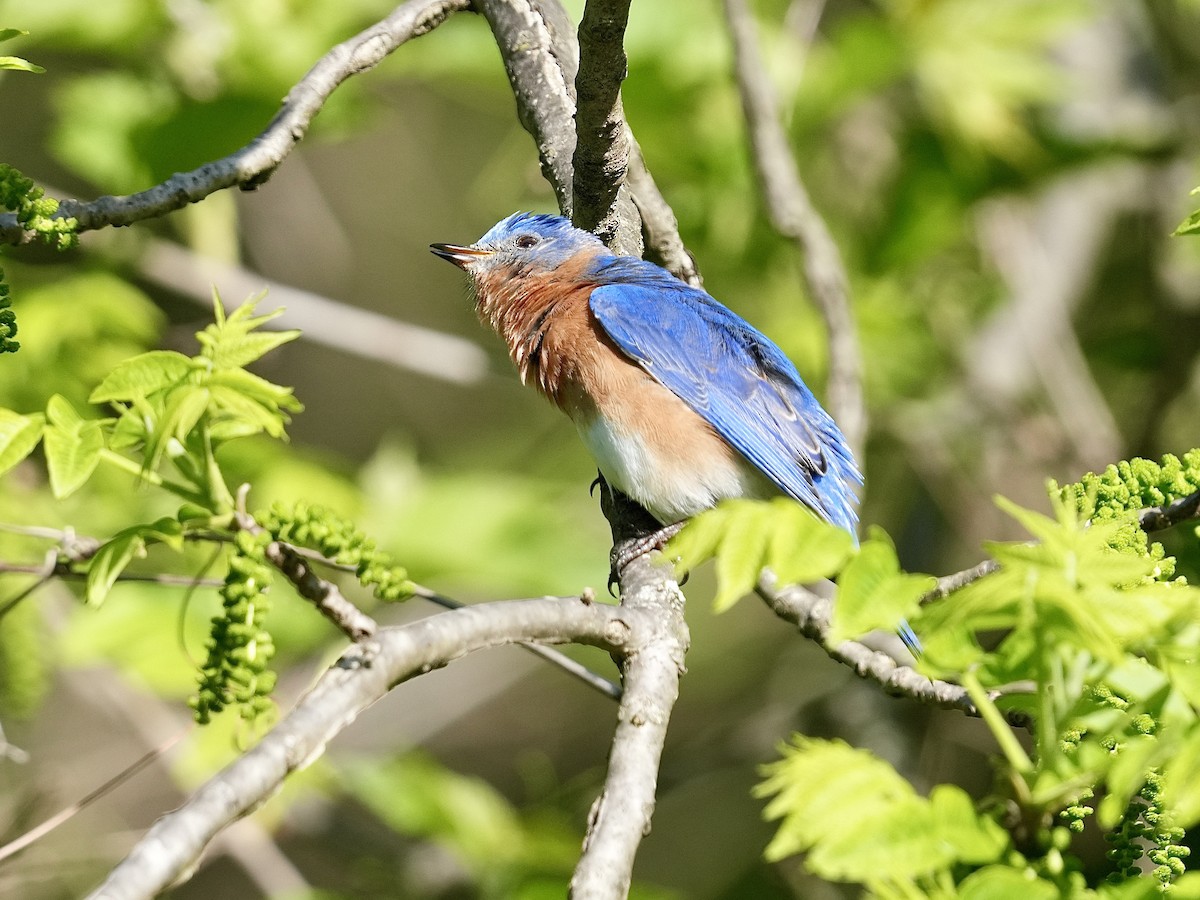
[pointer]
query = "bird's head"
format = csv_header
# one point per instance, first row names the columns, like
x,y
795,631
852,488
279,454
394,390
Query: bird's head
x,y
523,244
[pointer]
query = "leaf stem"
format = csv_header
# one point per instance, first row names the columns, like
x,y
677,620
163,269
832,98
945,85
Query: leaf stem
x,y
1013,751
152,477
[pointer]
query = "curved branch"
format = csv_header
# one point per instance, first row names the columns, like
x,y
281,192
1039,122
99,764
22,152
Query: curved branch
x,y
659,225
365,673
253,164
793,215
810,612
1160,518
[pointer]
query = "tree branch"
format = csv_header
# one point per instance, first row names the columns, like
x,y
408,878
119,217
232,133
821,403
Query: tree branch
x,y
793,215
601,201
811,613
535,40
651,666
948,584
364,673
540,56
659,225
253,164
1160,518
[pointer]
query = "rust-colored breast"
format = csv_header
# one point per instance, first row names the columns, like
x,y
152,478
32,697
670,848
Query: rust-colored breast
x,y
552,336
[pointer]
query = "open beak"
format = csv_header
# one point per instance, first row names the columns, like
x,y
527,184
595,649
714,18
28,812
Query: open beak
x,y
460,256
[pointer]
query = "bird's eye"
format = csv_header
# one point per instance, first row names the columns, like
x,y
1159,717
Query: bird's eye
x,y
525,241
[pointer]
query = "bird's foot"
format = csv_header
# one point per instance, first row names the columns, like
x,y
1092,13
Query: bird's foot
x,y
623,554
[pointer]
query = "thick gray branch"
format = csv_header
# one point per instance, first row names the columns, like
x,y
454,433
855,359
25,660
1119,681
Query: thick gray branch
x,y
540,54
253,164
651,668
364,674
793,215
601,202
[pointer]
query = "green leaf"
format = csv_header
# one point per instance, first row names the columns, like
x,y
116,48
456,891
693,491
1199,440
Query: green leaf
x,y
1003,883
897,843
860,821
184,407
142,376
21,65
15,62
746,536
228,342
873,593
698,540
116,553
1182,777
1190,225
973,838
235,352
802,548
816,783
73,447
743,548
18,436
60,412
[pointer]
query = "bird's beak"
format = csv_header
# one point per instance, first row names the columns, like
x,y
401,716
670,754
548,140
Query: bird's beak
x,y
460,256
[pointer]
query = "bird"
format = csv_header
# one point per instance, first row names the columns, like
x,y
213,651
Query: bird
x,y
681,402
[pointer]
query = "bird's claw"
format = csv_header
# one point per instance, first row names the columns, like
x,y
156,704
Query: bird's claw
x,y
623,554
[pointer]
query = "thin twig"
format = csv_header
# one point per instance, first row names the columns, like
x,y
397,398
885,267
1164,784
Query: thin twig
x,y
794,216
1160,518
948,584
811,612
659,225
253,164
326,596
69,812
564,662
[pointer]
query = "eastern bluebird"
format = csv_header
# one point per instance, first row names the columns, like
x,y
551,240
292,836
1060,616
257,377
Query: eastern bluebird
x,y
681,402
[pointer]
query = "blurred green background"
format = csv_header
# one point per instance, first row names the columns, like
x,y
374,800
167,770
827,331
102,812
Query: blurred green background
x,y
1002,179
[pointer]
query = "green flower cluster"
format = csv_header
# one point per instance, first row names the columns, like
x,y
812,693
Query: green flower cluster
x,y
1132,485
8,320
35,212
1147,822
338,540
235,670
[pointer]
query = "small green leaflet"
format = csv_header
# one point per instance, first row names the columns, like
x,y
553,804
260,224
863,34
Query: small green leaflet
x,y
1190,225
229,343
142,376
18,436
16,62
873,593
859,820
120,550
747,536
73,445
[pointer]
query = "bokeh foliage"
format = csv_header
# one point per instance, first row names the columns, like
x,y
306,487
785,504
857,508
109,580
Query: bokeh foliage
x,y
925,130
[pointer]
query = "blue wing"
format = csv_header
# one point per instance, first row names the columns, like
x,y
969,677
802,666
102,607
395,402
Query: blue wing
x,y
734,377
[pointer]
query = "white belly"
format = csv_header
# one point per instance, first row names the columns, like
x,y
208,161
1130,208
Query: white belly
x,y
675,482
